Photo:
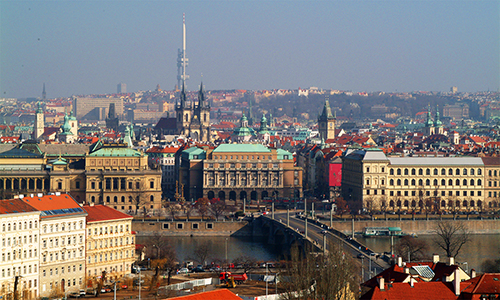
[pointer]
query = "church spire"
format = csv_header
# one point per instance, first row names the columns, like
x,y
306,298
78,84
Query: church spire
x,y
201,97
327,111
183,96
44,94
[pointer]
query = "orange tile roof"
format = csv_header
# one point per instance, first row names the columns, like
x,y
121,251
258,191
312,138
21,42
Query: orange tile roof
x,y
211,295
53,205
421,290
488,283
10,206
103,213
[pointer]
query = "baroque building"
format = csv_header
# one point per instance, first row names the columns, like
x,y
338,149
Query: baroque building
x,y
238,172
326,123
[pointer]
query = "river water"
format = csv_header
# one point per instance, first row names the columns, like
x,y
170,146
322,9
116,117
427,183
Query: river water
x,y
480,247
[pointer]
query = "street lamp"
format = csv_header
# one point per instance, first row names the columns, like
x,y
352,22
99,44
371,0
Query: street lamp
x,y
226,250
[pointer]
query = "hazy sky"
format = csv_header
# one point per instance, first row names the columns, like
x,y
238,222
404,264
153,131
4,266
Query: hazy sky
x,y
87,47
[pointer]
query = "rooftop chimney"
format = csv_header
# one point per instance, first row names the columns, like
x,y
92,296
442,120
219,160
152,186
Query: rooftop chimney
x,y
381,283
435,258
407,270
400,261
472,273
451,261
456,282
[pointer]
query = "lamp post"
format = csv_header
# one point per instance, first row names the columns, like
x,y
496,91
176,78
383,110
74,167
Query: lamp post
x,y
226,250
139,284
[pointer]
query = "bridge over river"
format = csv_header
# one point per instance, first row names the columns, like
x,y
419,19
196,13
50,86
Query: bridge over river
x,y
288,230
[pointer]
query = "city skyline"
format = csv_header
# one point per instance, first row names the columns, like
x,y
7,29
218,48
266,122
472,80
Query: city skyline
x,y
89,47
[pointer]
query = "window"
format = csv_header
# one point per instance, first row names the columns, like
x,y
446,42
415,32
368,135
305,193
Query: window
x,y
465,172
166,226
420,172
195,225
210,225
428,172
391,172
450,172
435,171
179,226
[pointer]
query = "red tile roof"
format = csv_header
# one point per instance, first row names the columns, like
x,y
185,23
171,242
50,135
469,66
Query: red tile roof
x,y
14,206
488,283
53,202
421,290
103,213
211,295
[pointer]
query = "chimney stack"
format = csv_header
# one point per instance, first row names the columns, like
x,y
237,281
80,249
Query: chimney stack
x,y
456,282
400,261
451,261
407,270
435,258
472,273
381,283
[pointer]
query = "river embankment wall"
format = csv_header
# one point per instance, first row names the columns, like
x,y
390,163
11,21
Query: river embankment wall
x,y
488,226
196,228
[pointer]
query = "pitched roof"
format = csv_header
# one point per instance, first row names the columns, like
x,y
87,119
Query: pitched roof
x,y
242,148
211,295
54,205
421,290
11,206
488,283
103,213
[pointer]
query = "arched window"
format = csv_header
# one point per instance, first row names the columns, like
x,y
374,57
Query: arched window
x,y
391,182
472,182
450,182
457,182
472,171
428,171
406,181
435,182
427,182
464,172
399,181
457,172
406,203
420,182
391,172
465,181
479,182
413,182
443,182
420,172
435,171
406,171
465,203
479,172
443,171
450,172
399,171
413,203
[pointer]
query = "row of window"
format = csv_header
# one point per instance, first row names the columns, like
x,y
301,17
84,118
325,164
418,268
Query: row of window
x,y
493,173
435,171
122,199
54,256
21,240
104,243
406,182
233,165
19,226
19,255
242,157
442,203
427,193
105,256
56,270
56,284
104,230
26,270
193,225
64,226
55,241
111,269
119,183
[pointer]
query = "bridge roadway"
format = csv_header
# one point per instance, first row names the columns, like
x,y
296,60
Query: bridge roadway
x,y
314,234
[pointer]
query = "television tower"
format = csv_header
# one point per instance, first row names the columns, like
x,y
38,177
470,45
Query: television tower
x,y
182,61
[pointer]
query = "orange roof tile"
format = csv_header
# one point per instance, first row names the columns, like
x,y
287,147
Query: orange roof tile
x,y
211,295
103,213
10,206
53,205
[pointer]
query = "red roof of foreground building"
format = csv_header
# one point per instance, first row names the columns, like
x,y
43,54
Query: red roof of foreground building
x,y
211,295
11,206
437,290
103,213
485,284
54,205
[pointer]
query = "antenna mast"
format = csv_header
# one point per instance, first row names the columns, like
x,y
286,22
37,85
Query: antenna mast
x,y
182,61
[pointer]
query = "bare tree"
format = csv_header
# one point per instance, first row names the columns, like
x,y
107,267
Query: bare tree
x,y
202,252
246,261
451,236
139,197
163,254
173,209
218,208
411,247
202,206
317,276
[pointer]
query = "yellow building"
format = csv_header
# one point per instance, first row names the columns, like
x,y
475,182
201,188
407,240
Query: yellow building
x,y
373,181
110,242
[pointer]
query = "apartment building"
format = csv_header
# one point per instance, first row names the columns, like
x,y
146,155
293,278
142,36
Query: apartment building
x,y
62,243
20,249
110,242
